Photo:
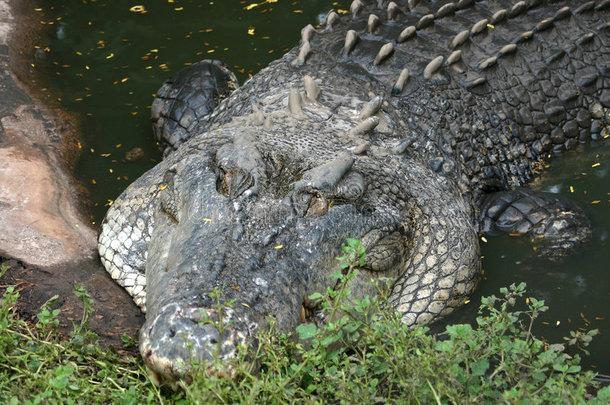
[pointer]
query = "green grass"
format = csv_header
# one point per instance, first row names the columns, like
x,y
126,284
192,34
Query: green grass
x,y
363,354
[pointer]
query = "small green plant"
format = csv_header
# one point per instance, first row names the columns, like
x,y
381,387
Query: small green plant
x,y
363,353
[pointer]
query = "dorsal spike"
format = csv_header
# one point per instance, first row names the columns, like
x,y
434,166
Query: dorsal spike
x,y
360,148
383,53
311,88
543,25
506,49
433,67
476,82
602,5
425,21
524,37
257,117
355,8
498,16
479,26
462,4
372,24
401,81
351,38
268,124
585,7
331,19
307,33
454,57
406,33
371,108
489,62
585,38
459,39
517,9
303,54
403,145
295,103
562,13
365,126
392,10
412,3
445,10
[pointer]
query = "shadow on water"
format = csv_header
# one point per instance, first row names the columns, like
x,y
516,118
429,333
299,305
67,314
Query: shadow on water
x,y
105,60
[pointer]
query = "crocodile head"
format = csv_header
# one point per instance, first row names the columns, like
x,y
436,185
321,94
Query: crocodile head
x,y
255,211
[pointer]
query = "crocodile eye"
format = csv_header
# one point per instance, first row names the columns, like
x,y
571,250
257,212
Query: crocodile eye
x,y
308,204
233,182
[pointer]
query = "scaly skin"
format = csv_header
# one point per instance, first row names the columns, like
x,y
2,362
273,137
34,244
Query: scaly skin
x,y
262,192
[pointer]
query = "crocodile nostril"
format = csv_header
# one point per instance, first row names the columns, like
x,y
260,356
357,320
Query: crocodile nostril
x,y
234,182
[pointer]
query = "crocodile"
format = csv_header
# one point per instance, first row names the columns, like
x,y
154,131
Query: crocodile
x,y
411,126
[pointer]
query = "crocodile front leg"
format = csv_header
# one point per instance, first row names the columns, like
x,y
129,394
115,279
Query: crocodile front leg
x,y
556,223
184,101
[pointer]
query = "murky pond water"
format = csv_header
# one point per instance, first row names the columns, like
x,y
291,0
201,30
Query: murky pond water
x,y
105,59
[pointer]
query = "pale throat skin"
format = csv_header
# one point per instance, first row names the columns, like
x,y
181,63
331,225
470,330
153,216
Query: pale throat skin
x,y
337,140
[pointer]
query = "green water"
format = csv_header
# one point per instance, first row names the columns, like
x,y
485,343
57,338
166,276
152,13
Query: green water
x,y
104,62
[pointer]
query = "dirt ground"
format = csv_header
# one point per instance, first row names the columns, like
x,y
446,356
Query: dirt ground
x,y
45,238
114,313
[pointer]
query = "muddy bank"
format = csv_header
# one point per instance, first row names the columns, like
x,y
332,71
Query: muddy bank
x,y
45,237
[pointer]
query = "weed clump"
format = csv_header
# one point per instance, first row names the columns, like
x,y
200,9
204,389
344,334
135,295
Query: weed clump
x,y
363,353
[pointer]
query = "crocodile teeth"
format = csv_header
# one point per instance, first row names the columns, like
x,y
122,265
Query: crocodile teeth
x,y
365,126
295,102
311,88
401,81
393,10
433,67
350,41
372,24
383,53
371,108
307,33
355,7
406,33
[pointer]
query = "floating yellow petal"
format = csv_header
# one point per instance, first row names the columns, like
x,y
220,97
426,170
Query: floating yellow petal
x,y
138,9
